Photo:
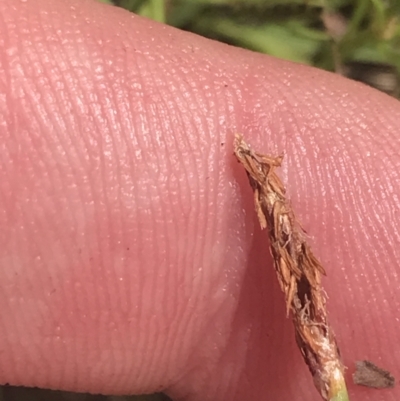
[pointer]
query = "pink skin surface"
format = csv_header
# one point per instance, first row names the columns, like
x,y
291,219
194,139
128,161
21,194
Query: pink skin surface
x,y
131,260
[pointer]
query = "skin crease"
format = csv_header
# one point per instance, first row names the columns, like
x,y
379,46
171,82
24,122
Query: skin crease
x,y
131,259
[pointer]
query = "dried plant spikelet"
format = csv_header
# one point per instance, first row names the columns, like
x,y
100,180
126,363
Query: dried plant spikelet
x,y
298,271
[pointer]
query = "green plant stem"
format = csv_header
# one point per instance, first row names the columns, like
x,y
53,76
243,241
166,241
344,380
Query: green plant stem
x,y
157,10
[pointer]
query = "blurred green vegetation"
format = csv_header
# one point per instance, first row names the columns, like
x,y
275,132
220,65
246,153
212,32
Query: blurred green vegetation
x,y
9,393
357,38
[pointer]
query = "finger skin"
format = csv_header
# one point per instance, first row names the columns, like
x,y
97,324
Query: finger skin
x,y
131,260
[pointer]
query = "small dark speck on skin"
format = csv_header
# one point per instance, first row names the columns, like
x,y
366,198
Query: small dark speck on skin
x,y
369,375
